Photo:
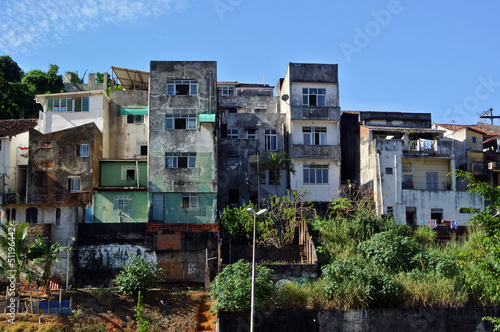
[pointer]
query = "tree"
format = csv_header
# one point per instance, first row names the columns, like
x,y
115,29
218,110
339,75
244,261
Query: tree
x,y
9,70
137,276
275,163
45,252
41,82
75,79
14,247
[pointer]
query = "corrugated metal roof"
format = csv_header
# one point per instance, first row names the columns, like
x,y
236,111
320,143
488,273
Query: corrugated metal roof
x,y
132,79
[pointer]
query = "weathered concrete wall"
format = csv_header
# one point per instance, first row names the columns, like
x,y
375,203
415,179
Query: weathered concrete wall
x,y
124,138
375,320
104,209
395,119
312,72
110,256
53,161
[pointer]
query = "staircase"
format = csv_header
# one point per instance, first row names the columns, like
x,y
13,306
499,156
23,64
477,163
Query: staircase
x,y
206,321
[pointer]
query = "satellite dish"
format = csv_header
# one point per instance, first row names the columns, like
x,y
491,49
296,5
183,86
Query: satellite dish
x,y
285,97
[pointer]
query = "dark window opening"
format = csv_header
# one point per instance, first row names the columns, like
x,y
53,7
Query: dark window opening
x,y
32,215
312,100
182,89
411,215
234,197
130,174
58,216
7,212
182,162
437,214
144,150
180,123
13,214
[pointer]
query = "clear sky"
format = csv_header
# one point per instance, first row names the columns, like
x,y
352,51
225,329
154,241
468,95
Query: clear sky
x,y
439,57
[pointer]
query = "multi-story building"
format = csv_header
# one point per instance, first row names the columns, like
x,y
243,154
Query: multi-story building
x,y
14,152
309,96
411,169
250,127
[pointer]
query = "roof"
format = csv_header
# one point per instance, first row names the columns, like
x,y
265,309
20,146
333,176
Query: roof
x,y
485,132
132,79
17,126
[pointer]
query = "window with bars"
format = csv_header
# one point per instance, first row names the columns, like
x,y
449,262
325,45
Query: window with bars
x,y
122,202
180,160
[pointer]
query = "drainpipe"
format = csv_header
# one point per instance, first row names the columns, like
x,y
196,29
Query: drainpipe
x,y
137,172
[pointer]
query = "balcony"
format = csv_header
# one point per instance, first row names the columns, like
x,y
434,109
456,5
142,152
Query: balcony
x,y
315,113
10,198
302,151
494,166
422,147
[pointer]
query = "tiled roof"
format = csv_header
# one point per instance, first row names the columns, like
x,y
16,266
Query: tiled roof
x,y
15,127
483,131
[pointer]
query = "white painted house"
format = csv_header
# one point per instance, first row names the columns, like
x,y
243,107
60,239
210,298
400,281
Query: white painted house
x,y
309,96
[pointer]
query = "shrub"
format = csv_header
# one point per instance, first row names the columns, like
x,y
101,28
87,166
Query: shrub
x,y
138,275
354,284
231,289
424,235
390,251
237,222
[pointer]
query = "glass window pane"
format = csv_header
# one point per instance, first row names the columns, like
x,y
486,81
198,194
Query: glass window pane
x,y
192,162
313,91
69,105
321,101
321,91
325,175
305,91
305,100
169,123
318,176
312,176
306,175
191,124
85,104
194,89
170,89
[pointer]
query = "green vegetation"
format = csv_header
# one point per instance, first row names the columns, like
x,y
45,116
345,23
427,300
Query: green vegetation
x,y
137,276
370,261
232,287
143,321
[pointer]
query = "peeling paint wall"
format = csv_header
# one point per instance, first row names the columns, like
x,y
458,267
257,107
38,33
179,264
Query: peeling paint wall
x,y
201,140
104,207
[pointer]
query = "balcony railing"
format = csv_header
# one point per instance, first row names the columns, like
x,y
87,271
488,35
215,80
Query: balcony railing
x,y
316,151
10,198
428,146
479,167
315,113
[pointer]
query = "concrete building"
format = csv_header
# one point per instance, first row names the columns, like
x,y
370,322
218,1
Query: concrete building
x,y
14,150
309,96
410,167
250,126
182,178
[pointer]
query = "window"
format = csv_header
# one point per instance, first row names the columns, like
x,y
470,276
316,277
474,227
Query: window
x,y
82,150
251,133
129,172
142,148
226,90
388,170
32,215
135,118
437,214
7,212
13,215
432,180
411,215
407,181
58,216
180,160
233,133
180,121
82,105
60,105
158,207
390,210
74,184
271,140
190,201
260,110
314,135
474,139
316,174
182,88
313,97
122,202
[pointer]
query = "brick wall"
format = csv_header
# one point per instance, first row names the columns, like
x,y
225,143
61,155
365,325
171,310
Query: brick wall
x,y
169,241
180,227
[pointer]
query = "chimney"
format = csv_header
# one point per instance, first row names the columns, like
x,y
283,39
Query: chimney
x,y
67,78
91,82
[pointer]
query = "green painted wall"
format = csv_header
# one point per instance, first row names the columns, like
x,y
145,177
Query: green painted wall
x,y
104,207
175,213
111,172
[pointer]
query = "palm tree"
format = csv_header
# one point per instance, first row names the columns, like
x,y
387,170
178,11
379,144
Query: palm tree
x,y
275,163
14,248
46,252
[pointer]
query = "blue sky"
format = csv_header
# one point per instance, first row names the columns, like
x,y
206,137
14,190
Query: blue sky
x,y
440,57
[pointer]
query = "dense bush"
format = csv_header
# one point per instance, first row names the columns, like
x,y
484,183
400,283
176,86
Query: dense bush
x,y
391,252
138,275
231,289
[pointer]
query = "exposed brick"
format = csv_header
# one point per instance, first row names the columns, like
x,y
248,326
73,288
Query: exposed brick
x,y
169,241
